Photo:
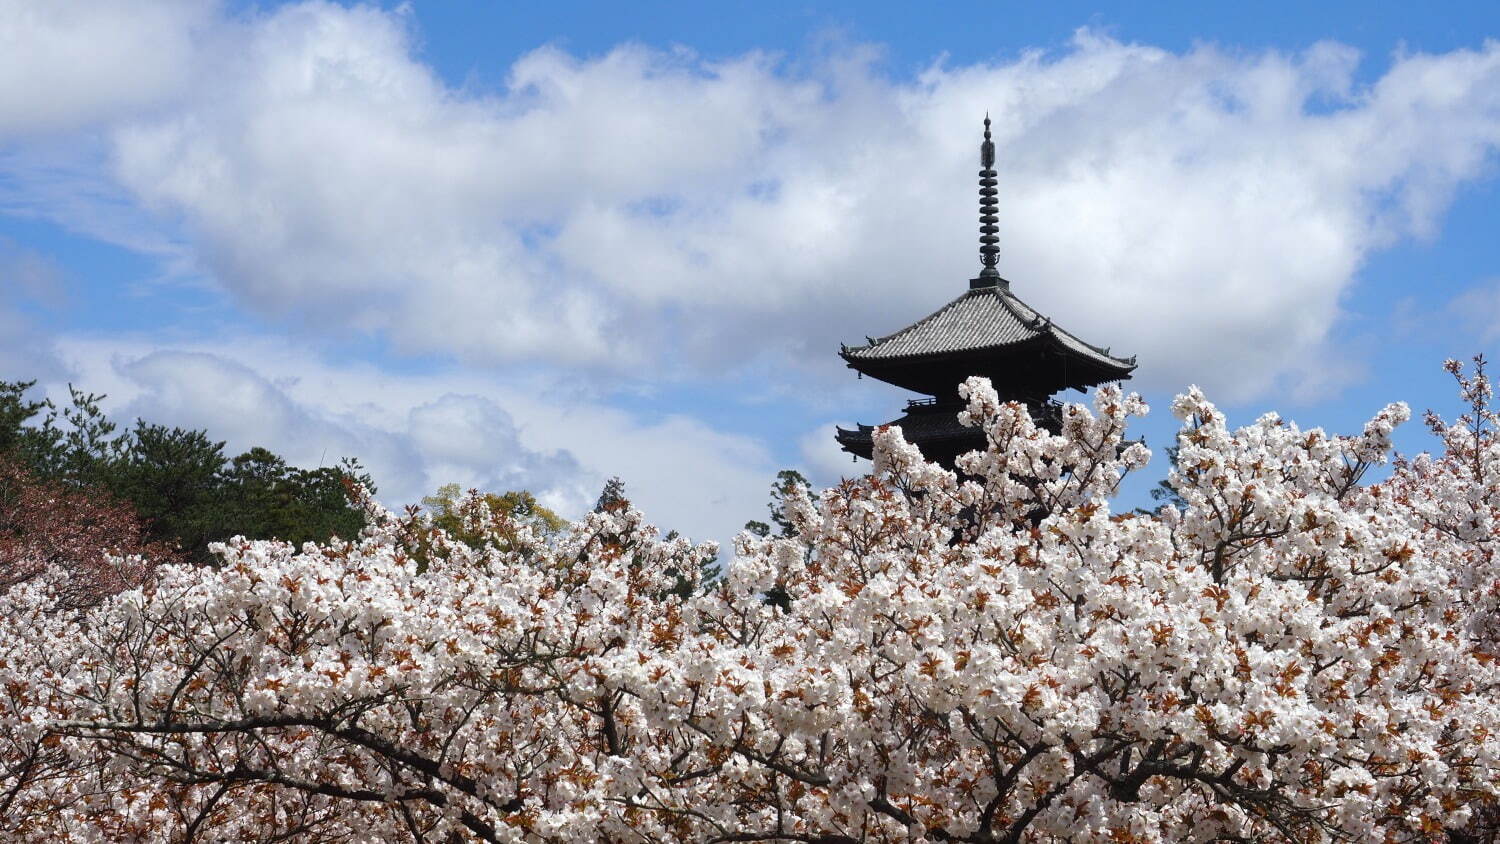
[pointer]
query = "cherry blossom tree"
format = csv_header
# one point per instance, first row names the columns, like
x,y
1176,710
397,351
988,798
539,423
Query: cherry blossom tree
x,y
1454,499
993,655
61,549
101,543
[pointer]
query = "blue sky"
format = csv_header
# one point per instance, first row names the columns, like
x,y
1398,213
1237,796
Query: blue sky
x,y
535,245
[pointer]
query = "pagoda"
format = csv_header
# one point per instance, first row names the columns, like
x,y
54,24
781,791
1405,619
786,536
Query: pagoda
x,y
986,331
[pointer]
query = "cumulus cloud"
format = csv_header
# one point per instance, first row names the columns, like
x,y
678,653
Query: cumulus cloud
x,y
1204,210
72,64
416,433
237,404
646,212
450,438
472,441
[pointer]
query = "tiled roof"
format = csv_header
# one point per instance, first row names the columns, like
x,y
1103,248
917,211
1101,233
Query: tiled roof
x,y
929,431
927,421
982,318
919,428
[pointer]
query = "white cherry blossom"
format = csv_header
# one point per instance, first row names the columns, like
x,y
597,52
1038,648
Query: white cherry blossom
x,y
996,655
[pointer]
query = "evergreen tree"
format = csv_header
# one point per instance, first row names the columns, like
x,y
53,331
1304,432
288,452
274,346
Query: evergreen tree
x,y
612,497
1164,492
787,481
177,480
518,506
173,477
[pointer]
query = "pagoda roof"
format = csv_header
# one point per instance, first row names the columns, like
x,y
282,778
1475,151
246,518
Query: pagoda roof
x,y
988,331
934,433
933,427
985,318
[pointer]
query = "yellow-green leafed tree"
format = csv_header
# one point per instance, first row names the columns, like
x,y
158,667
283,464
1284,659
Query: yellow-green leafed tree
x,y
452,511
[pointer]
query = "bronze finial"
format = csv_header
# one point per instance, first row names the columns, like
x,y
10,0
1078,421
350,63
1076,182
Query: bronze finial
x,y
989,252
987,149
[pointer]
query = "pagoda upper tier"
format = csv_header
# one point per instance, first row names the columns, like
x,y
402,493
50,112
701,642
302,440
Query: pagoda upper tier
x,y
987,331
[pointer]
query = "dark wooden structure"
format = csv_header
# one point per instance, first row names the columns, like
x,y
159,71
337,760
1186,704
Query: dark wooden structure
x,y
987,331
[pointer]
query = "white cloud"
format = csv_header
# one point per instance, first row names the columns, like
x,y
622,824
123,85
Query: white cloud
x,y
237,404
653,213
683,474
824,462
25,353
657,210
416,433
472,441
69,64
1204,210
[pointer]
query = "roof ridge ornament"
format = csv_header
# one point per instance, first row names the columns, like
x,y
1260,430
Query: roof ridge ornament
x,y
989,252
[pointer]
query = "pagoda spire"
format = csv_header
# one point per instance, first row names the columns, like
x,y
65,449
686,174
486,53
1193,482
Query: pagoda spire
x,y
989,253
986,331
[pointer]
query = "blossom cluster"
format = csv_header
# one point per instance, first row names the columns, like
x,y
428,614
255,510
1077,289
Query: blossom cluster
x,y
992,654
100,543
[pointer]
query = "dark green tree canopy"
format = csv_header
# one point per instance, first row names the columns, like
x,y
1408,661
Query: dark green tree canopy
x,y
179,481
786,483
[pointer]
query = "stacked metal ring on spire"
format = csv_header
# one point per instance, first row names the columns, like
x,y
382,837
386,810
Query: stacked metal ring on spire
x,y
989,251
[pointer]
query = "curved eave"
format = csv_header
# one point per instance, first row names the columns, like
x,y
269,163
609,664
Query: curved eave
x,y
1020,322
861,440
1097,355
916,372
867,365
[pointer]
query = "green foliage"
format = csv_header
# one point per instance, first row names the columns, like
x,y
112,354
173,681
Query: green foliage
x,y
709,571
787,482
517,508
178,481
1164,492
20,437
266,497
612,497
172,476
88,448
